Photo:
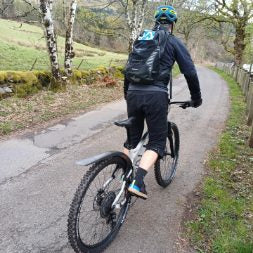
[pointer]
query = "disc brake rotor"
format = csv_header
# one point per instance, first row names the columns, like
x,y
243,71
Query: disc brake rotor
x,y
106,205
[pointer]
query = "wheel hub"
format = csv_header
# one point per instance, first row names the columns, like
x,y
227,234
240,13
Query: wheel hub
x,y
106,204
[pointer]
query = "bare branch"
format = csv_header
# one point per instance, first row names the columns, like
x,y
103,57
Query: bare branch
x,y
30,4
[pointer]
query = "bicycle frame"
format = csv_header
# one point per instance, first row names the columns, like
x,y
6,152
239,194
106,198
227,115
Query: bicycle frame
x,y
132,163
134,154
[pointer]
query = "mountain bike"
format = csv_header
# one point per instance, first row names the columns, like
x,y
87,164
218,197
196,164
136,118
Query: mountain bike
x,y
101,201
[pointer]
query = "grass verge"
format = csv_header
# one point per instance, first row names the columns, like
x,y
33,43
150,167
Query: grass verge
x,y
38,109
223,220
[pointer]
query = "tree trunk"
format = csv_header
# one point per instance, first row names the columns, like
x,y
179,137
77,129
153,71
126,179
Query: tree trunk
x,y
135,20
239,44
50,37
69,53
132,38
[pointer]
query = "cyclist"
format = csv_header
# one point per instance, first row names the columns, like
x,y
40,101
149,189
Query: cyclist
x,y
150,102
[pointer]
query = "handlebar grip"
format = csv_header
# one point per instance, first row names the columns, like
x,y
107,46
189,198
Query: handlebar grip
x,y
187,104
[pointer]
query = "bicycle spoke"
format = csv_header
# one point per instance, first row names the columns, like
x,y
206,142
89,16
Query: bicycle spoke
x,y
93,228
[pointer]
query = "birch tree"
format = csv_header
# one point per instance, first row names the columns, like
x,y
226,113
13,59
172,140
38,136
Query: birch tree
x,y
135,14
69,53
46,11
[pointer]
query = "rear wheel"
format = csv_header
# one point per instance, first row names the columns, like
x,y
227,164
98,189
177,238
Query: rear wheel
x,y
93,223
165,168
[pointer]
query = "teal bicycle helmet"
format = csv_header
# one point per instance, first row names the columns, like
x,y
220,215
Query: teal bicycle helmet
x,y
166,14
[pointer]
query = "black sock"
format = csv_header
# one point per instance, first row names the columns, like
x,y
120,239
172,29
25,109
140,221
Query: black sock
x,y
139,177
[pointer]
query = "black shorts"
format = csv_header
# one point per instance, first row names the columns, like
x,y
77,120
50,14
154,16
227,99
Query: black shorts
x,y
152,106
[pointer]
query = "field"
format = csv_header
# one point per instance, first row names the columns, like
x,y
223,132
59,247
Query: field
x,y
21,45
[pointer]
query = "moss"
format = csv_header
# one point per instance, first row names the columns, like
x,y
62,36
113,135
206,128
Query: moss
x,y
16,77
121,68
85,74
77,75
23,83
116,72
24,89
101,70
89,77
44,77
21,77
30,82
3,77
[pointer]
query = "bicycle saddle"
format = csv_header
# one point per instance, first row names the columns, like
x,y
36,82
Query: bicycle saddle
x,y
125,123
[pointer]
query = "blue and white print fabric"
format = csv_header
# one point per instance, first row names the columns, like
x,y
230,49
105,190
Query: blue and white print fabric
x,y
147,35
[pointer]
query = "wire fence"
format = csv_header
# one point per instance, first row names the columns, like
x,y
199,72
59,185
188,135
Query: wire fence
x,y
244,77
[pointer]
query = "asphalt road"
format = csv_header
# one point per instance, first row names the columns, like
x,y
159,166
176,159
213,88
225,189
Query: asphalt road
x,y
38,176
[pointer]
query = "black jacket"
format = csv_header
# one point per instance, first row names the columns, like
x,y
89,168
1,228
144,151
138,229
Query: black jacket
x,y
175,50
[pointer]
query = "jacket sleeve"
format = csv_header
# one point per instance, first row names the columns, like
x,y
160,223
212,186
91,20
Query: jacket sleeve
x,y
186,66
126,85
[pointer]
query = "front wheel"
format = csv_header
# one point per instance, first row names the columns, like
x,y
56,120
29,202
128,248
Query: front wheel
x,y
94,220
165,168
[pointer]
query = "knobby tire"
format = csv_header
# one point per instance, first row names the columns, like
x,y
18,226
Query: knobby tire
x,y
164,182
73,219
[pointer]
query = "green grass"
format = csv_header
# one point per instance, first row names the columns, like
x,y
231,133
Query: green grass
x,y
175,71
224,222
20,46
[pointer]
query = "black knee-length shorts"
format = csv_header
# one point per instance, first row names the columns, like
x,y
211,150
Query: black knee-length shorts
x,y
152,106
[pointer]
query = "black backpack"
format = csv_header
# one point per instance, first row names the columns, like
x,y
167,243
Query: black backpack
x,y
143,65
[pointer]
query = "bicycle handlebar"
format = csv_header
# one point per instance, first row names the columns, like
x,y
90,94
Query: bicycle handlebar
x,y
183,104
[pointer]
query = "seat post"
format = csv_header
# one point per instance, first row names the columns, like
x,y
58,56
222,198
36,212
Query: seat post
x,y
127,124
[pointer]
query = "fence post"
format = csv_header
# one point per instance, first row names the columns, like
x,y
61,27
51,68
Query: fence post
x,y
235,73
244,77
227,68
238,80
230,70
250,108
249,97
245,85
240,77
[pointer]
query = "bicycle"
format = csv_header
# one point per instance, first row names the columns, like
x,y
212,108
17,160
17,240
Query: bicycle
x,y
109,205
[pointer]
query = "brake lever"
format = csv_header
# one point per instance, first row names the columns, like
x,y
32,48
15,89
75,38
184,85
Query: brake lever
x,y
183,106
186,105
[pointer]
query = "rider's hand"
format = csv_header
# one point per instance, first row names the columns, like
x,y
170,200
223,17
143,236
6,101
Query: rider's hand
x,y
196,102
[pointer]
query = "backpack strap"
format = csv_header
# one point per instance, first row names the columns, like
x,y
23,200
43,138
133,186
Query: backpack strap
x,y
162,40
